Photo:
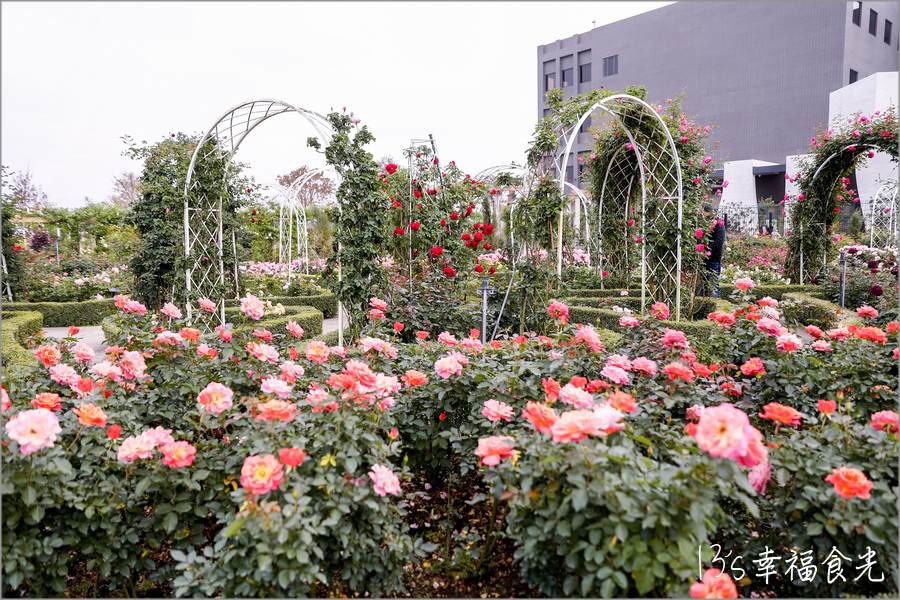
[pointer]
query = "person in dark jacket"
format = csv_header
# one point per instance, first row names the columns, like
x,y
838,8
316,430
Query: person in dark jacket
x,y
714,258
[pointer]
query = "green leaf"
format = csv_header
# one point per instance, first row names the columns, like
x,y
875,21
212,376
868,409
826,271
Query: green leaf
x,y
644,581
569,585
29,496
142,486
814,529
586,584
607,588
235,527
579,499
169,522
619,578
178,555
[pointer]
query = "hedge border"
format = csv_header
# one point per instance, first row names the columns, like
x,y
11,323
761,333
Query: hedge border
x,y
17,326
307,317
609,319
65,314
823,313
327,302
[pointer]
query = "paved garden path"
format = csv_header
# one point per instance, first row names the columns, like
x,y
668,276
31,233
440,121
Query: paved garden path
x,y
92,335
329,325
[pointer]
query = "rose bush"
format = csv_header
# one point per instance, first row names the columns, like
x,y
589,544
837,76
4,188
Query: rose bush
x,y
232,465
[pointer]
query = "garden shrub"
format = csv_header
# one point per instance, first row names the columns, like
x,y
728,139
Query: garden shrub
x,y
761,291
18,326
306,317
66,314
609,319
619,506
810,310
325,302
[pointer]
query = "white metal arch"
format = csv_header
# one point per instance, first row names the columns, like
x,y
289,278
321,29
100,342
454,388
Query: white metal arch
x,y
203,240
490,175
658,165
616,187
883,218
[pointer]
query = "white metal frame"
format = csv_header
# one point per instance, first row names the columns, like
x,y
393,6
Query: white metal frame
x,y
883,218
656,163
203,241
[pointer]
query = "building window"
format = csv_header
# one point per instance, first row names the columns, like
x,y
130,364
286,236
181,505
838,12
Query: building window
x,y
570,174
549,81
546,112
873,22
610,65
584,73
567,78
585,126
853,76
857,14
887,31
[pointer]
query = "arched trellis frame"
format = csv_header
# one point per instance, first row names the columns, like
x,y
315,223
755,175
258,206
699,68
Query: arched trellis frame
x,y
658,167
883,217
203,235
490,175
833,156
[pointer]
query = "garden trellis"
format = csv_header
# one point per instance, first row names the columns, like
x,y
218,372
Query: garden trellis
x,y
203,235
650,157
882,223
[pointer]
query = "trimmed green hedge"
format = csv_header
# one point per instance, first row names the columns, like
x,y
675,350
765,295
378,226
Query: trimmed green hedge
x,y
816,311
609,319
17,326
327,302
66,314
761,291
702,307
309,318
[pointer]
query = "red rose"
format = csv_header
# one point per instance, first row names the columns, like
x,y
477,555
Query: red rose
x,y
432,192
398,231
466,237
493,191
414,226
390,168
487,246
443,222
73,330
449,272
488,229
436,251
469,211
454,216
398,327
479,269
492,270
114,432
478,236
417,194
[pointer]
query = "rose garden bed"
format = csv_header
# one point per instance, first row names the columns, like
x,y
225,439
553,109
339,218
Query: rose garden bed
x,y
231,463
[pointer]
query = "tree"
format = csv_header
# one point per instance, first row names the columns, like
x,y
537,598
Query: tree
x,y
317,191
158,215
14,275
25,194
126,190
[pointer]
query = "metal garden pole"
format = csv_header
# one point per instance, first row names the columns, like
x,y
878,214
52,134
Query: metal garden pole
x,y
485,289
843,276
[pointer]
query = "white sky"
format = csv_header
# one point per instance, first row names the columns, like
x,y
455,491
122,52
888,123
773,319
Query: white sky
x,y
76,76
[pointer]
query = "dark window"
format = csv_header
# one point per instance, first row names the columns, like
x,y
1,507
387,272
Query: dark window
x,y
857,13
584,73
610,65
584,126
570,174
567,78
887,31
549,81
873,22
546,112
853,76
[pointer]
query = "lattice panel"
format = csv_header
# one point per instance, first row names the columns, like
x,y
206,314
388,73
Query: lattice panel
x,y
883,222
203,243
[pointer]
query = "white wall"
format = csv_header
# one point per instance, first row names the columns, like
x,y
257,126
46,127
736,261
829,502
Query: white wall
x,y
876,92
741,191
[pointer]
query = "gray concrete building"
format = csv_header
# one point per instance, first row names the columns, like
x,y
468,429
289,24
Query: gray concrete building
x,y
760,72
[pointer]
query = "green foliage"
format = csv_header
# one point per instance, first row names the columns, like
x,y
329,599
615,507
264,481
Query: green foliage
x,y
18,326
326,303
158,216
359,234
65,314
832,157
307,317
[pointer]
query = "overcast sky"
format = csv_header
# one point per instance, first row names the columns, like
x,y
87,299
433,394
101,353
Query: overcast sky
x,y
77,76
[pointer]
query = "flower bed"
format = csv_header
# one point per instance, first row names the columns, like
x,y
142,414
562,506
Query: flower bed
x,y
218,464
325,302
